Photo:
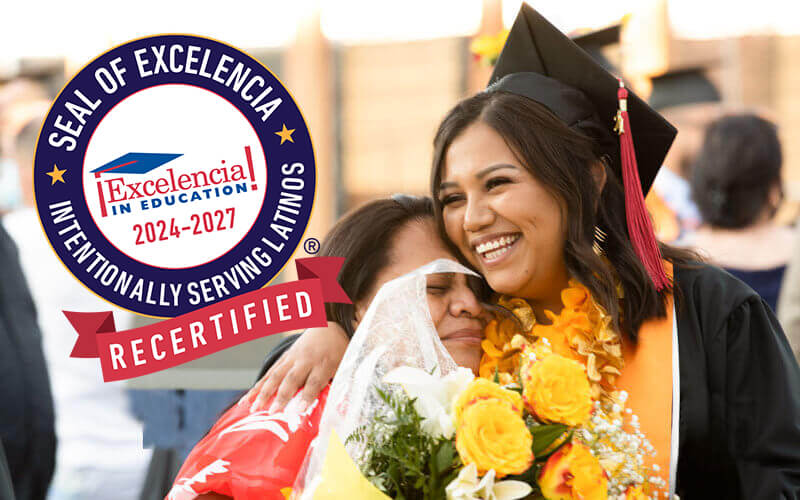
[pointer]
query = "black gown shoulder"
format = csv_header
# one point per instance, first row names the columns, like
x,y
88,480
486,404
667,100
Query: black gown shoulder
x,y
740,392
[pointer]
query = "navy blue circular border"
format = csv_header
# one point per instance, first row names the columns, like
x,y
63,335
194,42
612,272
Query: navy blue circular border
x,y
301,150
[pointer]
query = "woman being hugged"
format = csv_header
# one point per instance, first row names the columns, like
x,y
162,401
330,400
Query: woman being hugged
x,y
253,452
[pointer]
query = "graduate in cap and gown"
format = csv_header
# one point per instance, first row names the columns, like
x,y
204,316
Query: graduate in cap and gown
x,y
706,366
539,185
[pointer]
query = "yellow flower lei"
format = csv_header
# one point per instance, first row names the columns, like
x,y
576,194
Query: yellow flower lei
x,y
583,331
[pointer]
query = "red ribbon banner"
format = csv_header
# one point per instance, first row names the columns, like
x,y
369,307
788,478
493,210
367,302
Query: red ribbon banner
x,y
267,311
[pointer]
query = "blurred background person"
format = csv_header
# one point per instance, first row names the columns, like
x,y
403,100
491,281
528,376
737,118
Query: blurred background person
x,y
26,413
100,454
27,422
688,99
736,183
15,95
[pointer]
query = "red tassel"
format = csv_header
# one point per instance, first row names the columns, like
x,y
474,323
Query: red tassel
x,y
640,229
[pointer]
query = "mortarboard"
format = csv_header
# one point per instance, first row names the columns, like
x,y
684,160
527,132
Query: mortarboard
x,y
541,63
599,38
135,163
681,87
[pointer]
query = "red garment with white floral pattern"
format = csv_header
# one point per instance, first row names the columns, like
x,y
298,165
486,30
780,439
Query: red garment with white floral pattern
x,y
250,456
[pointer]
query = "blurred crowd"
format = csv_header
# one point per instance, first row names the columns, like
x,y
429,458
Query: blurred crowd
x,y
70,429
721,193
68,435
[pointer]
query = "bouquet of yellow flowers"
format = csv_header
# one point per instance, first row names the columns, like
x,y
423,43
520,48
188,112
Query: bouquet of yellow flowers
x,y
542,421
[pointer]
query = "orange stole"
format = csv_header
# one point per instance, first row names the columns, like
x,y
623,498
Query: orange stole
x,y
647,378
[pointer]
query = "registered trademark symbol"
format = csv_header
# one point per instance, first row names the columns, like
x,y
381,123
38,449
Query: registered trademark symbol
x,y
311,246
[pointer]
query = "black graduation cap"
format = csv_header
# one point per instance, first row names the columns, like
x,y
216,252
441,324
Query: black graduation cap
x,y
595,41
681,87
543,64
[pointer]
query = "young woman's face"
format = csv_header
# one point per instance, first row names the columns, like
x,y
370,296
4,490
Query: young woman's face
x,y
455,310
501,218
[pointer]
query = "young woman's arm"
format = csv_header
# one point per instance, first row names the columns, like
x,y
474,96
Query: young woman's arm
x,y
309,363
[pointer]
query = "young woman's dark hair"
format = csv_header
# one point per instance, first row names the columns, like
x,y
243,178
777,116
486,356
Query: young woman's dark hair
x,y
736,171
364,238
560,158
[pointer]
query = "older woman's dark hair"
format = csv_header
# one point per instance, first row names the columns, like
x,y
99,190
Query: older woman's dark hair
x,y
736,171
364,238
560,158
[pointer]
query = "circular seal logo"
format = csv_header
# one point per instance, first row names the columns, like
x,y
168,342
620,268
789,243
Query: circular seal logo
x,y
173,172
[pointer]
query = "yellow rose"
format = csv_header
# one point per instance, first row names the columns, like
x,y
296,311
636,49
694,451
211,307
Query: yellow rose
x,y
557,389
573,473
590,481
480,389
492,435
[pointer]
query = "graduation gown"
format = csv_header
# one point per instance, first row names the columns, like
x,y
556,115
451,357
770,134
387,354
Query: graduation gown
x,y
739,431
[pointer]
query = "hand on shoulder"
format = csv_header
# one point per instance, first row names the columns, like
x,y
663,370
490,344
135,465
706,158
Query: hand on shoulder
x,y
310,363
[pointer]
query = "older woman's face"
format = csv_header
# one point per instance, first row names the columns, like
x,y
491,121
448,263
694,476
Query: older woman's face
x,y
455,310
503,220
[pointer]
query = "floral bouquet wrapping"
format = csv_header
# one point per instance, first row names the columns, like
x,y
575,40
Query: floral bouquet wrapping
x,y
542,420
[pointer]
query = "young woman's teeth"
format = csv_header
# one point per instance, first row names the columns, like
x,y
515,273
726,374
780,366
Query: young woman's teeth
x,y
491,250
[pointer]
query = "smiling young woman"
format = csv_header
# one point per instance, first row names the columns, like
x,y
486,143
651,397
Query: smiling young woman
x,y
504,222
526,176
516,199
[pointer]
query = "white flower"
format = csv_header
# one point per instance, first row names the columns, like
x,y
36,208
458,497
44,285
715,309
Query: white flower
x,y
435,396
467,487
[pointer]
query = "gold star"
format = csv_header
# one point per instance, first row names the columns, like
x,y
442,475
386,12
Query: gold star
x,y
285,134
56,174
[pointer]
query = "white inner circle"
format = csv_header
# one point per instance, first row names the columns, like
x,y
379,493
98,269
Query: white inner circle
x,y
195,220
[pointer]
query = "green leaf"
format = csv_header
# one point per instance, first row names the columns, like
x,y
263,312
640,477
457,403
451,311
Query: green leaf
x,y
496,379
445,456
545,435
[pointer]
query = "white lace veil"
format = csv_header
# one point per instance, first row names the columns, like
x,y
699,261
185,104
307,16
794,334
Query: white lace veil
x,y
397,330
